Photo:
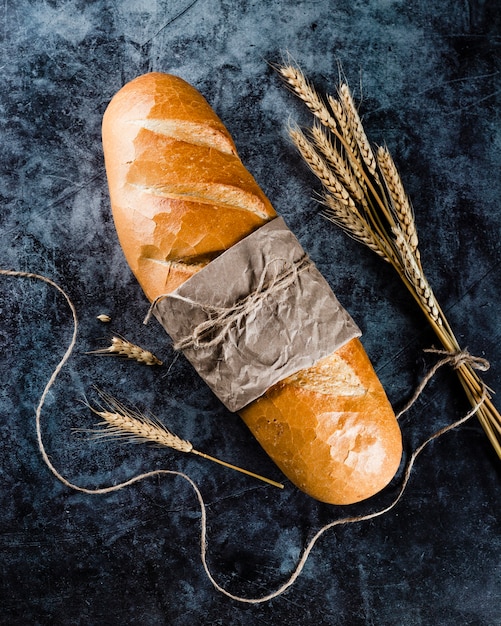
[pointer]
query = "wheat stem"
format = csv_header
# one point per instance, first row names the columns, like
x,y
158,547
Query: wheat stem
x,y
238,469
135,427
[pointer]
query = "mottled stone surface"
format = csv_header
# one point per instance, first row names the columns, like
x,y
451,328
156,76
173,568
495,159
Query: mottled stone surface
x,y
430,77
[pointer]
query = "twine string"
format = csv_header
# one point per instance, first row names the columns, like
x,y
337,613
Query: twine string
x,y
356,519
462,357
456,359
211,332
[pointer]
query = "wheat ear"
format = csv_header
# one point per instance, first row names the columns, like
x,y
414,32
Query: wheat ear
x,y
341,206
401,204
358,130
135,427
297,81
415,274
319,167
343,123
352,222
122,347
340,165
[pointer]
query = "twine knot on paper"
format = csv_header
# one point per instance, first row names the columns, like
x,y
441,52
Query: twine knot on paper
x,y
256,314
212,331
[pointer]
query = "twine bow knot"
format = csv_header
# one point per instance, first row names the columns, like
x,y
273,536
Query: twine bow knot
x,y
461,357
213,331
456,359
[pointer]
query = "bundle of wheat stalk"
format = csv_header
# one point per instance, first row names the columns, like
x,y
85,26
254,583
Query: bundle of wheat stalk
x,y
364,195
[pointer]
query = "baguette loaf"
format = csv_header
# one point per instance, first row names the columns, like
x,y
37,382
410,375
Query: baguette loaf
x,y
180,197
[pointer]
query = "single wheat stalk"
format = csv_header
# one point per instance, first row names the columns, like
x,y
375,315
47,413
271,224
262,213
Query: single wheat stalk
x,y
320,168
401,204
338,163
296,80
358,130
416,276
344,125
135,427
122,347
383,219
350,220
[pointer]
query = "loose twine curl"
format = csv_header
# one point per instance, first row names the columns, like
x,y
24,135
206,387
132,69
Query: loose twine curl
x,y
456,359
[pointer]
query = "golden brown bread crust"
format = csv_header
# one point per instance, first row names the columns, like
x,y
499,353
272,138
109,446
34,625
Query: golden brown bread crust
x,y
181,196
179,192
349,436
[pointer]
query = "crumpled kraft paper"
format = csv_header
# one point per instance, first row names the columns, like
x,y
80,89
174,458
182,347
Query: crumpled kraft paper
x,y
288,328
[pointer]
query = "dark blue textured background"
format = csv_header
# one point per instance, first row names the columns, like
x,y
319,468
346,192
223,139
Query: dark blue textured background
x,y
428,78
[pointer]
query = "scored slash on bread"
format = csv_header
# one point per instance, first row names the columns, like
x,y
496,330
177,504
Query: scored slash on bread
x,y
189,132
180,197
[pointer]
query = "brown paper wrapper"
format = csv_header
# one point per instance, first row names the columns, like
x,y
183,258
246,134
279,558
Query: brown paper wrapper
x,y
266,312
